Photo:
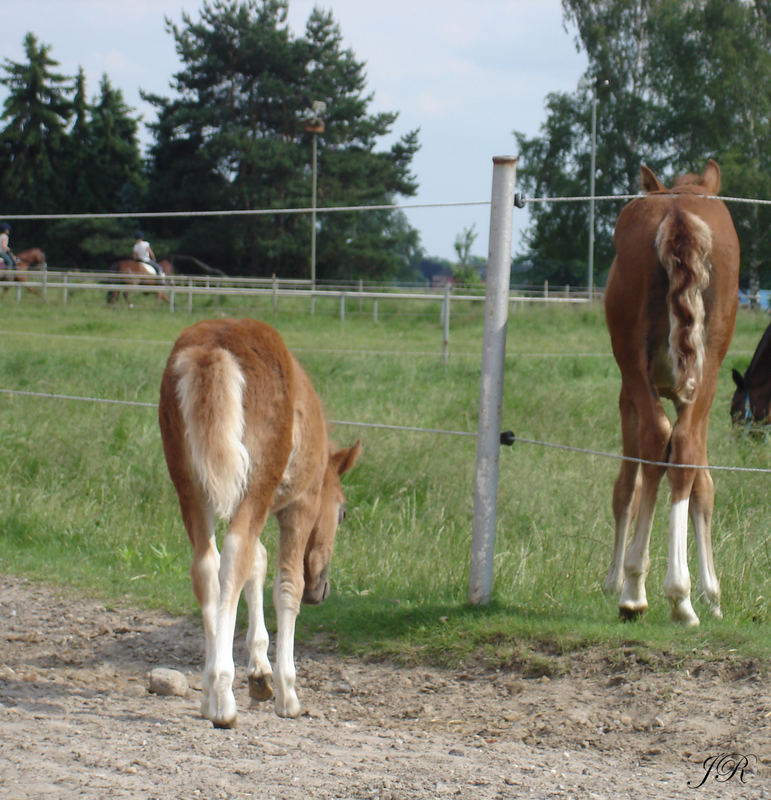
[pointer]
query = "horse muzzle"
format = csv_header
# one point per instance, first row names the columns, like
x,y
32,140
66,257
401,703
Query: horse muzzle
x,y
319,592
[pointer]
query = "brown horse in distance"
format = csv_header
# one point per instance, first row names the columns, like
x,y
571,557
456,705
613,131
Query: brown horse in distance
x,y
670,306
244,436
26,259
137,273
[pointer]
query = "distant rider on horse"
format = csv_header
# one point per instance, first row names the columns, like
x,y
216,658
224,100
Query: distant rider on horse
x,y
143,253
5,250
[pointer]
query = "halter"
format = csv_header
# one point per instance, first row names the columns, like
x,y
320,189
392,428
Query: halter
x,y
749,423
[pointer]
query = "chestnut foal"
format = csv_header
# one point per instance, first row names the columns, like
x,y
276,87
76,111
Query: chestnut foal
x,y
670,305
244,436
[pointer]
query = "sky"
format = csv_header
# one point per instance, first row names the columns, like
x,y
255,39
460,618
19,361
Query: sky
x,y
465,72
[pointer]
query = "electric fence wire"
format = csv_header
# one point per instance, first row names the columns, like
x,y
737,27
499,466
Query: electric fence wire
x,y
507,438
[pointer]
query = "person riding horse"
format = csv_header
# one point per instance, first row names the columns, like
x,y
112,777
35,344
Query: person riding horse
x,y
143,253
5,251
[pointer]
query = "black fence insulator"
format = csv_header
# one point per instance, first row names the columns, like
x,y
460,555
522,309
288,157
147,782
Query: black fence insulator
x,y
519,201
508,438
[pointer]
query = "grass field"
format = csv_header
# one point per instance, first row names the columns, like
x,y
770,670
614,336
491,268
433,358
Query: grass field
x,y
87,500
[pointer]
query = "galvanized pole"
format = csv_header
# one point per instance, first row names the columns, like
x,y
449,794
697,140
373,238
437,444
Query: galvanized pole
x,y
590,277
597,84
491,384
446,324
313,219
314,125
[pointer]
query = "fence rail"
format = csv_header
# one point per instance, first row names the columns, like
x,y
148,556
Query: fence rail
x,y
69,280
174,287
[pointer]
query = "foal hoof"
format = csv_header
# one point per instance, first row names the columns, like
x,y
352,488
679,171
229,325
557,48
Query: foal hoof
x,y
289,707
627,614
225,724
682,612
260,687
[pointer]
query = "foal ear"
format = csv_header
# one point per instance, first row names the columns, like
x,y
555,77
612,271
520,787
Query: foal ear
x,y
710,178
650,183
738,379
344,459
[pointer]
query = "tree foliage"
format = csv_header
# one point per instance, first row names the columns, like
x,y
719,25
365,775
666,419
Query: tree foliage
x,y
237,134
233,137
676,82
64,154
38,110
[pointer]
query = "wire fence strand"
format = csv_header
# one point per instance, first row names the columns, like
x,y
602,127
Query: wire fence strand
x,y
250,212
417,429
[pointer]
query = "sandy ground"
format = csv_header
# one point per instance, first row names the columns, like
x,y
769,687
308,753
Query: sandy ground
x,y
77,721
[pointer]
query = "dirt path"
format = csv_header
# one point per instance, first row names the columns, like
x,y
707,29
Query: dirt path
x,y
77,721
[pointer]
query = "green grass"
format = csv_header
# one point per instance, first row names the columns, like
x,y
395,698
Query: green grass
x,y
87,500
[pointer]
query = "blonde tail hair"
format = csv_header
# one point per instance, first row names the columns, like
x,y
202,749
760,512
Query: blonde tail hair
x,y
684,248
210,389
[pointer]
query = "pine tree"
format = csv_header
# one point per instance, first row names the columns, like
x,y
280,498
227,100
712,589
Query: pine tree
x,y
114,152
37,110
239,126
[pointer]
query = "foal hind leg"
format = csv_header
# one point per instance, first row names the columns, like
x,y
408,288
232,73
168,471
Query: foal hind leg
x,y
633,601
236,567
702,502
199,521
653,433
626,496
687,448
259,671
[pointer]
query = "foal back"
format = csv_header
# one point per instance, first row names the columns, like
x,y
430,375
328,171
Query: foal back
x,y
670,306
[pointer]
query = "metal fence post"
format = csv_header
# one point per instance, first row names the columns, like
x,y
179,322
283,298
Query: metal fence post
x,y
446,324
491,383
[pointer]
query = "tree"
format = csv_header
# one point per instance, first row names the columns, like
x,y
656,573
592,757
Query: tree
x,y
67,155
106,174
238,125
37,110
78,163
468,269
681,88
114,151
464,241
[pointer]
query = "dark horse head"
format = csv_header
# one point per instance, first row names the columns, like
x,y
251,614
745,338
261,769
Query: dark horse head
x,y
751,402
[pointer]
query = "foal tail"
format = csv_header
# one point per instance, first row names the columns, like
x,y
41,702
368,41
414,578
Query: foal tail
x,y
210,387
684,248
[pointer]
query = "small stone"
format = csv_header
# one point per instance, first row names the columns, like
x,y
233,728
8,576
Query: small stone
x,y
167,682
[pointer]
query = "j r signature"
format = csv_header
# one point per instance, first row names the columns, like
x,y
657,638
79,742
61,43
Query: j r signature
x,y
723,767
